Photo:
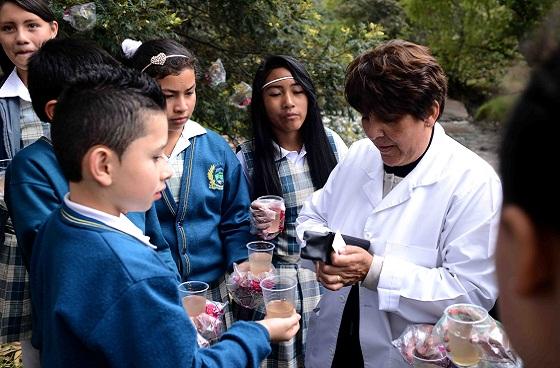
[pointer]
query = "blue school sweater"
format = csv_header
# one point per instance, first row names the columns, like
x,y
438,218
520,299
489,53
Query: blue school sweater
x,y
103,298
35,186
208,228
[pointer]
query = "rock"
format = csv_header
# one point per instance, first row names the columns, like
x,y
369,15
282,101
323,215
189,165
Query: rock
x,y
454,110
483,141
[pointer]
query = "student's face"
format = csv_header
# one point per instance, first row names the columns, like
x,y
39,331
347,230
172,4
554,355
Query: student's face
x,y
527,258
22,33
526,311
285,103
141,173
400,142
504,264
180,98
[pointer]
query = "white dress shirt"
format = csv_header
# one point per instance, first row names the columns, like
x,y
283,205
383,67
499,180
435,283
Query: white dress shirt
x,y
121,223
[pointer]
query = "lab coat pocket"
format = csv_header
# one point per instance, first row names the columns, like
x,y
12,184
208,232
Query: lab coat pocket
x,y
422,256
313,351
324,322
313,320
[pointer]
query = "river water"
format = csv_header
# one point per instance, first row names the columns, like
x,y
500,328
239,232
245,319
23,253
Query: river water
x,y
484,141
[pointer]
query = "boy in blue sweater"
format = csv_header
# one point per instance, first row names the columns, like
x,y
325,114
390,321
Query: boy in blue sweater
x,y
101,296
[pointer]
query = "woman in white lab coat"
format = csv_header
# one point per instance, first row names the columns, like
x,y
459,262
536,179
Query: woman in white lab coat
x,y
428,205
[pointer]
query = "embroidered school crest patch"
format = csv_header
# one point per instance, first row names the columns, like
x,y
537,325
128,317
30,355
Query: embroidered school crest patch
x,y
216,177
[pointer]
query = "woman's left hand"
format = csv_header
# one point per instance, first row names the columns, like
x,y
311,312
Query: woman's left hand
x,y
351,265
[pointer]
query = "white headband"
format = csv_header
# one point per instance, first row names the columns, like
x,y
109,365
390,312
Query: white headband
x,y
160,59
275,80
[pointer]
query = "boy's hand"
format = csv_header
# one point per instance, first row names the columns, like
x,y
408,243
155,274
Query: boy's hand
x,y
243,266
282,329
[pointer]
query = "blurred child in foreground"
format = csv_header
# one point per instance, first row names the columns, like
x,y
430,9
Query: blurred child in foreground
x,y
528,250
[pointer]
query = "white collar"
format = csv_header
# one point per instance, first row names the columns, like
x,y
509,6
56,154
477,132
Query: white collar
x,y
436,158
121,223
280,152
191,129
14,87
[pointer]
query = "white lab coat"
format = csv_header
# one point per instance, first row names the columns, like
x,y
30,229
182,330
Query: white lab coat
x,y
436,229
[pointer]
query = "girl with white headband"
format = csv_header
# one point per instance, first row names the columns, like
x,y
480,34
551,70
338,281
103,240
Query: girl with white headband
x,y
291,155
204,211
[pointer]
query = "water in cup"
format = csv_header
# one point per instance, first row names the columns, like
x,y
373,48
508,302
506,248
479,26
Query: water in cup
x,y
279,309
463,321
465,354
279,295
194,304
260,256
260,262
193,297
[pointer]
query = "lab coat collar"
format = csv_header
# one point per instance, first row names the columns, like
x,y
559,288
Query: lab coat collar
x,y
428,171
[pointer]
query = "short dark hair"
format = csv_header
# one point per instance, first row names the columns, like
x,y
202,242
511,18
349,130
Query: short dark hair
x,y
320,156
57,61
530,145
395,79
172,66
38,7
104,106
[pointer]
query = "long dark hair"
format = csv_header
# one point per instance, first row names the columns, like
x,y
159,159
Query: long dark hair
x,y
320,156
38,7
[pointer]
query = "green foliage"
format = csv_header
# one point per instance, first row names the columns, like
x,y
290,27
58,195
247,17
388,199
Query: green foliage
x,y
496,109
120,19
470,38
527,14
387,13
240,34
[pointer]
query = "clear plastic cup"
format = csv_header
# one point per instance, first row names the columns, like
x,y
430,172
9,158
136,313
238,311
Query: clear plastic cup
x,y
419,361
193,296
463,320
276,204
260,256
279,295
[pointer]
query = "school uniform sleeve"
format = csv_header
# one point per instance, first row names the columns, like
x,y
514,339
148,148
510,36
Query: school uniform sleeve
x,y
153,230
31,195
243,163
235,223
147,327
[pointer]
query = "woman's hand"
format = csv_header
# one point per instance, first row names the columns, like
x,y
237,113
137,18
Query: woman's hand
x,y
348,267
